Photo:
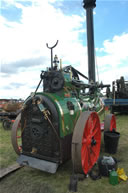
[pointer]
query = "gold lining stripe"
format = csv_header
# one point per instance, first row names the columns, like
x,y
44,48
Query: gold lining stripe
x,y
102,108
62,114
79,106
77,115
60,108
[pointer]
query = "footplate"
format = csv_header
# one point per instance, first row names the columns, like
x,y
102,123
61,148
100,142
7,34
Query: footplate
x,y
43,165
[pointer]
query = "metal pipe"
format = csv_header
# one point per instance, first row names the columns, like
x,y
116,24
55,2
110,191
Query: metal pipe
x,y
51,48
89,5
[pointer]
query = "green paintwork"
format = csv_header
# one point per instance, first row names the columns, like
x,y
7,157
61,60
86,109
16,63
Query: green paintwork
x,y
67,120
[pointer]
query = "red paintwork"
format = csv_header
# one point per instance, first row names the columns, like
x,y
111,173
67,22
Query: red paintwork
x,y
89,152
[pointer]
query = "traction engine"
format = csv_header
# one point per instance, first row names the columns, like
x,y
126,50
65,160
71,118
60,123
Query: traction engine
x,y
62,121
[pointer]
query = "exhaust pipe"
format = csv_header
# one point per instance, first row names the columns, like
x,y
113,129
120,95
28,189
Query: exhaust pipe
x,y
89,5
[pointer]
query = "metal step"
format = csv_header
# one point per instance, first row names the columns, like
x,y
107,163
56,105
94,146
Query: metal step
x,y
43,165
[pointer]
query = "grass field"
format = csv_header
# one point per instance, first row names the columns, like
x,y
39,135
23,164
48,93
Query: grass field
x,y
28,180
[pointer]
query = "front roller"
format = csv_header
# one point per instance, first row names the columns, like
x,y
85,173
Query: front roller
x,y
86,142
110,122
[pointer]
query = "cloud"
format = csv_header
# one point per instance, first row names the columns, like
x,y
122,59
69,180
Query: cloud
x,y
118,46
24,53
13,85
40,23
114,62
20,84
23,42
22,64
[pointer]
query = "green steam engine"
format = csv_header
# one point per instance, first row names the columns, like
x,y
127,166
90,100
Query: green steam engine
x,y
62,121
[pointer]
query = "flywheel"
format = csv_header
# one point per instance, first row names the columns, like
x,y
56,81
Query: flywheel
x,y
86,142
16,135
110,122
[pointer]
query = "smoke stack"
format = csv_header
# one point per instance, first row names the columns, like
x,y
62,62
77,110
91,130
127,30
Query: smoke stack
x,y
89,5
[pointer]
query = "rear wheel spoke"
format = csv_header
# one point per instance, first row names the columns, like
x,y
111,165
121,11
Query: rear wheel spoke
x,y
110,122
87,150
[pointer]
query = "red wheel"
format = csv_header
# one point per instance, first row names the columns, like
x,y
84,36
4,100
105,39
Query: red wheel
x,y
15,137
86,142
110,122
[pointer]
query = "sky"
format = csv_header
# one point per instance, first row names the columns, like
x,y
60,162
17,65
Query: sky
x,y
26,27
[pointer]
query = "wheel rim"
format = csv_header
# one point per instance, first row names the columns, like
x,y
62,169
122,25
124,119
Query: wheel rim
x,y
14,135
110,122
86,142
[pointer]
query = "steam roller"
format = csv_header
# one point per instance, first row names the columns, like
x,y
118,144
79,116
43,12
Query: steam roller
x,y
62,122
